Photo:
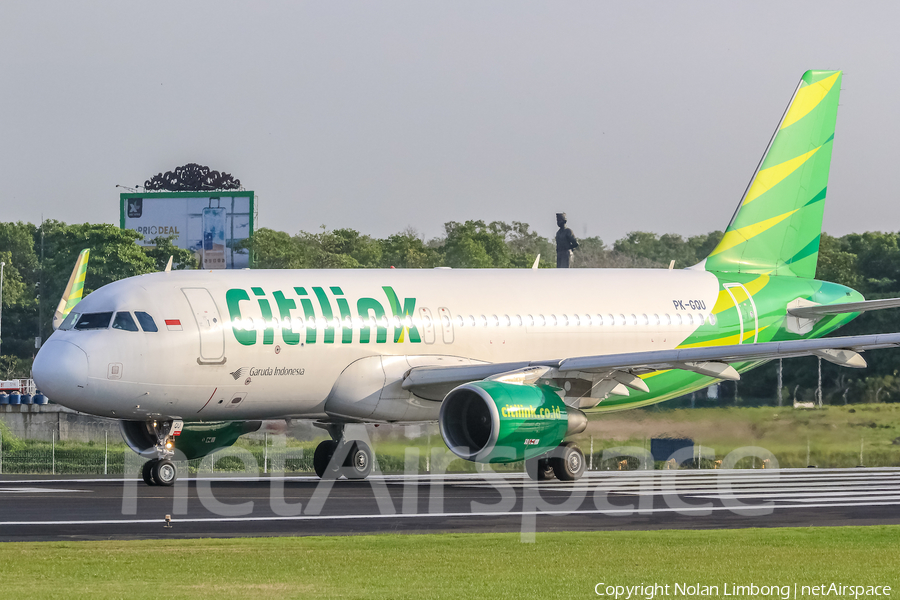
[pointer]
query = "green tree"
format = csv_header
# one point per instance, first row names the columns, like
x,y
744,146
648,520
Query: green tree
x,y
836,263
525,245
274,250
337,249
13,286
18,240
407,250
668,247
474,245
163,248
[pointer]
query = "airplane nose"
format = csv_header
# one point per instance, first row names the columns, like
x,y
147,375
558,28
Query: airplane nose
x,y
61,371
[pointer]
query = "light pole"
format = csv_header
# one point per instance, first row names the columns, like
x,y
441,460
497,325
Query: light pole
x,y
2,264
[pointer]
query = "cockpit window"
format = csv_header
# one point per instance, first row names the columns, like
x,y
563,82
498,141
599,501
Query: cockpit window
x,y
69,321
146,321
124,321
93,320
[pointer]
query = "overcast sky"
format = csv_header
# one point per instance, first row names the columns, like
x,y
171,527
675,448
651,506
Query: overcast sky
x,y
382,115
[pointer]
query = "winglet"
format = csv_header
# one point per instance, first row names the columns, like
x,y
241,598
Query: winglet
x,y
72,295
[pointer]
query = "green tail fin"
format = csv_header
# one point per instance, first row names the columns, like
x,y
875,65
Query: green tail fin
x,y
72,295
777,225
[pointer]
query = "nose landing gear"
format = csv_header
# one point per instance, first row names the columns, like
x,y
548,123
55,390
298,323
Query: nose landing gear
x,y
161,470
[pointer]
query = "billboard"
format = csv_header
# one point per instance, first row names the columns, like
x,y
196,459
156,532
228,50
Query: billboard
x,y
210,224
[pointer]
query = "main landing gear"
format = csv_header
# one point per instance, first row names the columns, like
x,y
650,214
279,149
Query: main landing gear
x,y
161,470
565,462
335,457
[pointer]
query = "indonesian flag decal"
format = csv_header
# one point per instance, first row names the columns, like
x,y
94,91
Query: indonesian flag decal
x,y
174,325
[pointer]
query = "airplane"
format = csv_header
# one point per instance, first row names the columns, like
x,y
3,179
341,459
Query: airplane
x,y
509,362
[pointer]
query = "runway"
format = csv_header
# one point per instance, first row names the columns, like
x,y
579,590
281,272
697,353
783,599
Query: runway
x,y
38,509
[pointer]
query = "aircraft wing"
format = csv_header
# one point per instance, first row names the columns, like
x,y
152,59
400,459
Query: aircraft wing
x,y
818,311
619,370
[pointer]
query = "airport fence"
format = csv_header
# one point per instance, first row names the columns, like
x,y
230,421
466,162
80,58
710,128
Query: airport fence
x,y
104,452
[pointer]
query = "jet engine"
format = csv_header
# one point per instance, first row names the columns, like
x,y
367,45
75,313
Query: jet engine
x,y
195,441
498,422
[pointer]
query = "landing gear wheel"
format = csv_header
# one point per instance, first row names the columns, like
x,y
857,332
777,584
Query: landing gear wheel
x,y
322,457
358,462
567,462
539,469
147,471
164,472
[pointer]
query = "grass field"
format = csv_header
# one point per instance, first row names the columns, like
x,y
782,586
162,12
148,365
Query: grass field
x,y
494,566
832,436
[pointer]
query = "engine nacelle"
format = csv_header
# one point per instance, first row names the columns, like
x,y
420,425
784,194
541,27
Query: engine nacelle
x,y
195,441
496,422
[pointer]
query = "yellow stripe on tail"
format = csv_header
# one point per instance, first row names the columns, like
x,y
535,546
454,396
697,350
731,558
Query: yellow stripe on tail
x,y
72,295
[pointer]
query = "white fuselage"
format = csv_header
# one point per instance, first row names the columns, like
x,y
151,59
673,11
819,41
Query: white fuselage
x,y
266,344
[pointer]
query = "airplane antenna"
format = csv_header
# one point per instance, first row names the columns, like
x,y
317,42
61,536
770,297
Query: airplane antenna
x,y
169,264
537,259
671,264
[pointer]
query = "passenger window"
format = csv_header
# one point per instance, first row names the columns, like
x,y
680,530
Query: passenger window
x,y
146,321
69,321
94,321
124,321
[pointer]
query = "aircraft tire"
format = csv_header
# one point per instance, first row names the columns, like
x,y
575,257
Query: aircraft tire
x,y
539,469
358,461
322,456
568,462
164,472
147,471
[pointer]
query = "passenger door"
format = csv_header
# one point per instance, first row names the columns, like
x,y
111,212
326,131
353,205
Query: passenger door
x,y
212,333
746,310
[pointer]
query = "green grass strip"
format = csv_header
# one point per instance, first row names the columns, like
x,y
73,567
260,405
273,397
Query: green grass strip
x,y
494,566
